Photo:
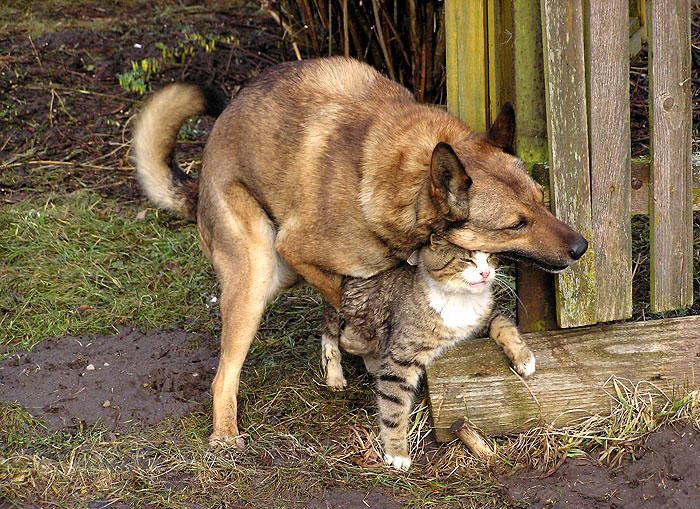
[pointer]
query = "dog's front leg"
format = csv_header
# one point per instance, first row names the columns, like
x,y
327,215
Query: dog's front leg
x,y
294,253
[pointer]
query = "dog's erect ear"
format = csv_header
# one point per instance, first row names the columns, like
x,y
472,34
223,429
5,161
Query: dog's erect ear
x,y
437,241
502,131
450,181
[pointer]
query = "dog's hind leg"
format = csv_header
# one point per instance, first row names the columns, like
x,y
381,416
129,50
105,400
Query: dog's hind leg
x,y
239,239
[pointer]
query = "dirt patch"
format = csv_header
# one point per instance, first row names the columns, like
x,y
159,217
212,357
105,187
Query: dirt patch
x,y
667,475
120,380
346,498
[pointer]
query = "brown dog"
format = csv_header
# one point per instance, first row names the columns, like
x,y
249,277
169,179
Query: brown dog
x,y
324,168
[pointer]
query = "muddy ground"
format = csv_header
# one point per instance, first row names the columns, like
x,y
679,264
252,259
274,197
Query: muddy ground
x,y
665,475
131,378
137,379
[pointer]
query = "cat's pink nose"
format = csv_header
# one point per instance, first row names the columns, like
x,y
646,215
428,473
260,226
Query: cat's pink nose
x,y
485,274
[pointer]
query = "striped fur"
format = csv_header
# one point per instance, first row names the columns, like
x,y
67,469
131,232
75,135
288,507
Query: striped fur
x,y
401,320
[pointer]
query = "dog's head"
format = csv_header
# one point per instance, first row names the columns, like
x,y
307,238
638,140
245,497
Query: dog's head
x,y
489,202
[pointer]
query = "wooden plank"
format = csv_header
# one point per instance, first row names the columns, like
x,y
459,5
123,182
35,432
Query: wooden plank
x,y
451,62
536,305
567,131
500,54
670,119
640,187
642,13
607,78
529,100
536,308
475,381
467,62
636,34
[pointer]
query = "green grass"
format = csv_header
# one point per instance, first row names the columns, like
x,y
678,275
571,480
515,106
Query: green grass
x,y
81,264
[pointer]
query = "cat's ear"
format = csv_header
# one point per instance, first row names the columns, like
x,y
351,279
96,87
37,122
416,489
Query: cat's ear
x,y
413,259
450,182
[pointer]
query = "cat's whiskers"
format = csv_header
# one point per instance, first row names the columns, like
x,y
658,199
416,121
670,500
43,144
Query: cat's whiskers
x,y
502,282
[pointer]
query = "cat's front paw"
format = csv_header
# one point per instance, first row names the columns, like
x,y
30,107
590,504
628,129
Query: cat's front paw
x,y
524,363
398,462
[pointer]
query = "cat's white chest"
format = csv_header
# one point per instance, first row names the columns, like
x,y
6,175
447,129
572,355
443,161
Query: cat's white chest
x,y
460,311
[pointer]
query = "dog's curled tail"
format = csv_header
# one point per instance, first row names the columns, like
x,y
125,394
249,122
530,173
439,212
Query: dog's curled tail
x,y
155,135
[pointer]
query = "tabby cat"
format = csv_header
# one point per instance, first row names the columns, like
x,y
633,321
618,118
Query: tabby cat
x,y
402,319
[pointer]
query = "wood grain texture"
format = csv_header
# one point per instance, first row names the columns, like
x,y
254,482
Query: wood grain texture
x,y
536,307
529,100
609,148
475,381
671,221
467,62
567,131
500,54
536,304
640,187
451,62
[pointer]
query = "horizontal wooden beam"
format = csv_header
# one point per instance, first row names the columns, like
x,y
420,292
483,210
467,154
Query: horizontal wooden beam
x,y
474,381
640,188
639,184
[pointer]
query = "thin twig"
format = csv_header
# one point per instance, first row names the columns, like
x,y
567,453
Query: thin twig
x,y
380,37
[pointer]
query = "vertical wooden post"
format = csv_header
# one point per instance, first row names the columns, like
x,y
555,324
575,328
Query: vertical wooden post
x,y
536,306
500,52
567,131
467,62
531,124
671,221
607,77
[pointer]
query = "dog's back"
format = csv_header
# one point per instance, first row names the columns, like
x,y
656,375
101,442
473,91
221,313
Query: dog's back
x,y
326,134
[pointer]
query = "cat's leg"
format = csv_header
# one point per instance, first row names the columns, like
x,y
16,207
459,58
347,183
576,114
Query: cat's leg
x,y
330,351
372,363
396,385
355,343
505,333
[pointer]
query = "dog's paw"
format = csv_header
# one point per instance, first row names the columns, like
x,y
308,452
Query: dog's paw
x,y
524,365
399,462
221,441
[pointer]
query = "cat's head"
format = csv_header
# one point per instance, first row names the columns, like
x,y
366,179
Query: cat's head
x,y
454,268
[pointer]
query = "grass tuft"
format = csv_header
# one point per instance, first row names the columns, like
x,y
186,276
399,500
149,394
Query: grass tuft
x,y
80,264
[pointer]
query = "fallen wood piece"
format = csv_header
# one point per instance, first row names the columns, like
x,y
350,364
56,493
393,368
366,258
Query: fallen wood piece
x,y
472,439
573,366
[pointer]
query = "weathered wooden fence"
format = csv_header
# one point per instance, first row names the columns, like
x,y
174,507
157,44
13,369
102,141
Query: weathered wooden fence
x,y
565,66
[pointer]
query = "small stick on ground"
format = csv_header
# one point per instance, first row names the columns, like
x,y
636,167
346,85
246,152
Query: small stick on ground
x,y
472,439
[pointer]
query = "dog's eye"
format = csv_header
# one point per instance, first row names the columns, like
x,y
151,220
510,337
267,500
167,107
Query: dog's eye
x,y
519,225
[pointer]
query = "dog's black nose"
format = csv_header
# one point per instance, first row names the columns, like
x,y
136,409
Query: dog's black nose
x,y
578,248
